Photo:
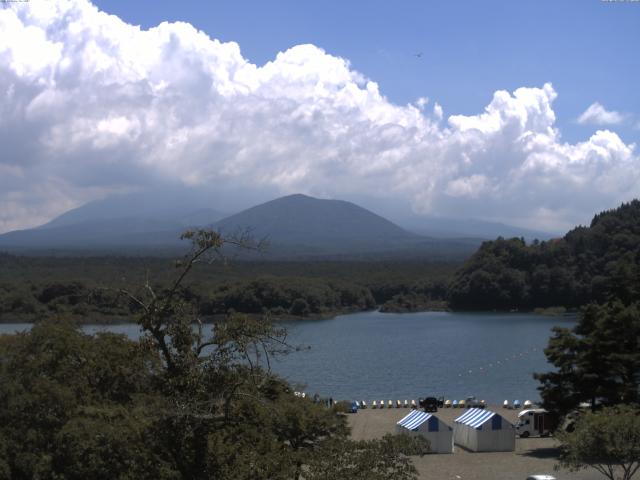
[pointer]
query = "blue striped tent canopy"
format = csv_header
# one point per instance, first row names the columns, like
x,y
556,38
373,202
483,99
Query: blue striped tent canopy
x,y
414,419
475,417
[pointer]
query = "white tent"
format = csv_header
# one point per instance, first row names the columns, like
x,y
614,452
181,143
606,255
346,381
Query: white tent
x,y
439,434
484,431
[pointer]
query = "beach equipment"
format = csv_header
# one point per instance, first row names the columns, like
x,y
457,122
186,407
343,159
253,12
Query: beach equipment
x,y
462,404
390,404
454,404
406,404
483,404
447,403
505,404
374,404
381,403
413,404
427,425
363,404
527,403
398,404
482,430
472,402
516,404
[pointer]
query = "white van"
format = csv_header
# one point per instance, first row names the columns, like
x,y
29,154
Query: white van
x,y
534,421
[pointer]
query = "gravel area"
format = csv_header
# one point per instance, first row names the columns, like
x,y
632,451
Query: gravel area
x,y
532,455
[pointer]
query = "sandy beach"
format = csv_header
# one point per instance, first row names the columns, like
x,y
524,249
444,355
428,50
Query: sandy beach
x,y
532,455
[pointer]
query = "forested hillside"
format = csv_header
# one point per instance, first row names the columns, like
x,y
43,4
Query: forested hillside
x,y
87,288
588,264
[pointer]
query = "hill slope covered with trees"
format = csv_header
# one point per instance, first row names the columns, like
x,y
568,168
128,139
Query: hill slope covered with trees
x,y
588,264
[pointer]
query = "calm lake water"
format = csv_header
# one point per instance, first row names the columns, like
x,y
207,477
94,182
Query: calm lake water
x,y
375,355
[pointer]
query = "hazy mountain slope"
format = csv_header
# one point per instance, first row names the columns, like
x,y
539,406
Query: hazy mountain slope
x,y
180,208
94,234
152,218
440,227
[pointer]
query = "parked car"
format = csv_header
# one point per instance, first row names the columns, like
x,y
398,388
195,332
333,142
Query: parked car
x,y
541,477
430,404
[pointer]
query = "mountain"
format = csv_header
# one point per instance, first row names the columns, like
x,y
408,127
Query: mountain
x,y
299,225
173,208
302,220
296,226
152,219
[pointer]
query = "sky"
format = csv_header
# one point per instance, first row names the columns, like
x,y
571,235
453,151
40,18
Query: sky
x,y
526,113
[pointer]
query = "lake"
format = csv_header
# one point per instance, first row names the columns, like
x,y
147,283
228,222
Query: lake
x,y
373,355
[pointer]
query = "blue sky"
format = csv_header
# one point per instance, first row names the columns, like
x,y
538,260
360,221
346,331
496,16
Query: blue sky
x,y
588,49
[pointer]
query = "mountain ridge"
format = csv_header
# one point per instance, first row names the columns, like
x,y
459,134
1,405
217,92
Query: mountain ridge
x,y
297,226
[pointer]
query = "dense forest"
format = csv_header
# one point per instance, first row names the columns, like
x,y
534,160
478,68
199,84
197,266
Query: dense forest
x,y
589,264
89,289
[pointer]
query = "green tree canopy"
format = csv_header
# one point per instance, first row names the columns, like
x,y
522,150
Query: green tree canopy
x,y
598,361
186,401
589,264
608,441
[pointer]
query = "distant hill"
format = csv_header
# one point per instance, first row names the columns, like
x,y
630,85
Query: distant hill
x,y
303,226
169,207
442,227
327,224
132,222
296,226
590,263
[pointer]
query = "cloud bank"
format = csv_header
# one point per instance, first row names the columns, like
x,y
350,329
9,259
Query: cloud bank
x,y
90,105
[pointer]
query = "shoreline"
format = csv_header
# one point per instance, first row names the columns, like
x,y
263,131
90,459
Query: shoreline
x,y
120,320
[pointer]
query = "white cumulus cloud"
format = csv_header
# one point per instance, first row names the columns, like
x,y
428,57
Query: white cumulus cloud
x,y
596,114
91,105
